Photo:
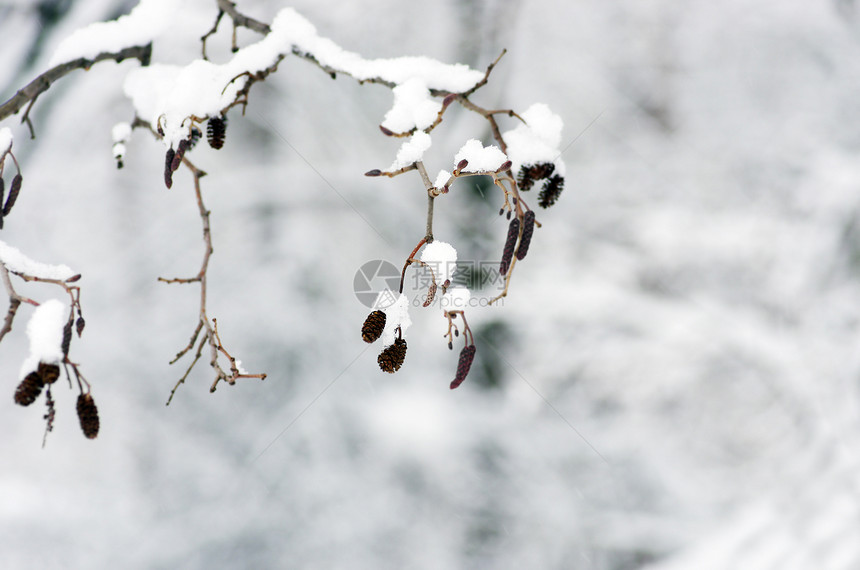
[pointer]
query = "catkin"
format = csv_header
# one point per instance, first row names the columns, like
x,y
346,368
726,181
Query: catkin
x,y
550,192
180,152
14,190
67,338
467,355
431,294
168,167
88,414
391,359
528,230
510,242
373,326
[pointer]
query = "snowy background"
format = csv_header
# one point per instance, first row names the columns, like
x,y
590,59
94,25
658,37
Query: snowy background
x,y
671,384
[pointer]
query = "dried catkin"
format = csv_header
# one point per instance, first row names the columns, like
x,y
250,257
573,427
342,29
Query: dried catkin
x,y
29,389
391,359
528,175
550,192
467,355
528,230
373,326
88,414
48,372
14,190
510,242
431,294
216,129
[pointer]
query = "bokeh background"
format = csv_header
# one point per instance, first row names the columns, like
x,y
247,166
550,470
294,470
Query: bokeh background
x,y
671,384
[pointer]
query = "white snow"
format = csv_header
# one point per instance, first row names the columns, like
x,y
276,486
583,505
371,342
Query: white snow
x,y
539,140
171,94
414,107
143,24
456,299
5,140
442,178
17,262
298,31
121,132
45,331
480,158
411,151
396,309
442,259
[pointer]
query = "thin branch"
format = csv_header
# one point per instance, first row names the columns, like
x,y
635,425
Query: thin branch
x,y
431,197
42,83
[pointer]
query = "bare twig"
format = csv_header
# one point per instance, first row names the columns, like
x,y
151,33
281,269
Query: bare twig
x,y
42,83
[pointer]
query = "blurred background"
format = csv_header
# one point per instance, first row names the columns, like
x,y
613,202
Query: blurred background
x,y
672,382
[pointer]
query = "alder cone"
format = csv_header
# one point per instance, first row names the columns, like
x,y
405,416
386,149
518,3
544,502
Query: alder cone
x,y
88,414
373,326
467,355
29,389
528,231
48,372
216,129
391,359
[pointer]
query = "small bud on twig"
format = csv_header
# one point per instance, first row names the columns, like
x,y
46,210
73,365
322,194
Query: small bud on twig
x,y
386,132
374,172
79,325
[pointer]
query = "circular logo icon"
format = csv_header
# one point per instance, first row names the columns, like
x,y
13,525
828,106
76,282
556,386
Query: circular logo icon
x,y
373,278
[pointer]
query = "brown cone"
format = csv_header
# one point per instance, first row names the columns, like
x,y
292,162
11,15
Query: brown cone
x,y
48,372
88,414
391,359
373,326
29,389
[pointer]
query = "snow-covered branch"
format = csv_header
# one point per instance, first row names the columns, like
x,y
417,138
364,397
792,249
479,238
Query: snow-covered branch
x,y
173,101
